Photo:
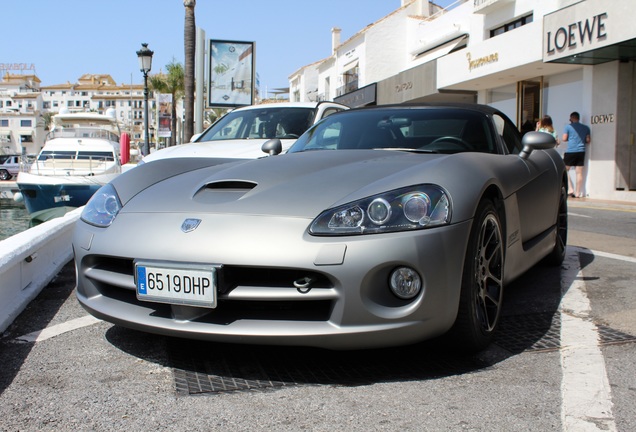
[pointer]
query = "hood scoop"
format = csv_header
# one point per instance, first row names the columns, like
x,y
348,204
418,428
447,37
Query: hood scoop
x,y
223,191
231,185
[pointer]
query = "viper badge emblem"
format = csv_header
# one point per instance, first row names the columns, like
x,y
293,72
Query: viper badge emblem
x,y
189,225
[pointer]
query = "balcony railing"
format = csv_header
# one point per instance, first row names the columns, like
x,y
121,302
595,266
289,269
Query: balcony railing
x,y
347,88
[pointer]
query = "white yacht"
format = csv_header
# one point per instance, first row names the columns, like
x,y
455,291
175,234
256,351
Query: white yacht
x,y
80,154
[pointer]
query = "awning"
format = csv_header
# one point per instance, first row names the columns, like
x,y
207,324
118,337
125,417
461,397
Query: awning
x,y
441,50
624,52
349,66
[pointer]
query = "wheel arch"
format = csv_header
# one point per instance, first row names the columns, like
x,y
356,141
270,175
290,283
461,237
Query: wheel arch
x,y
493,193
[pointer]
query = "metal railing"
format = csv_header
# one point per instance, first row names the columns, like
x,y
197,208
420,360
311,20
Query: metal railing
x,y
347,88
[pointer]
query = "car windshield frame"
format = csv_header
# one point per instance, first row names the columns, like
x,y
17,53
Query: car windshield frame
x,y
261,123
444,130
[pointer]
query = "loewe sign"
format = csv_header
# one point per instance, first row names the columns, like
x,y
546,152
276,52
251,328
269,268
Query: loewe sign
x,y
577,34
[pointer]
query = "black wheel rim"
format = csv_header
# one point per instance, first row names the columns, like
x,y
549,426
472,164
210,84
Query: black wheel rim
x,y
488,274
562,220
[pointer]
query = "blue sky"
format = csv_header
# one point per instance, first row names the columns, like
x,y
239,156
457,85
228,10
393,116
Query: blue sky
x,y
65,39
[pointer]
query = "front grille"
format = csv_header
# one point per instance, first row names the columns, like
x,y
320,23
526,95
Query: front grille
x,y
114,278
230,277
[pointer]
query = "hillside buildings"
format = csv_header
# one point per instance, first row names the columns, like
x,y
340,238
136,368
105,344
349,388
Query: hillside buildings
x,y
25,105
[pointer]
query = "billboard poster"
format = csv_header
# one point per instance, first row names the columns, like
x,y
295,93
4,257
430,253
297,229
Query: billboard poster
x,y
231,74
164,108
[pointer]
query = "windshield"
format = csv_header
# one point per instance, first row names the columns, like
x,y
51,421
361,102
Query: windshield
x,y
72,154
430,130
267,123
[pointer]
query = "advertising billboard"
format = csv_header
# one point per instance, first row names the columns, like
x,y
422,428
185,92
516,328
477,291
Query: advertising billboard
x,y
164,114
231,74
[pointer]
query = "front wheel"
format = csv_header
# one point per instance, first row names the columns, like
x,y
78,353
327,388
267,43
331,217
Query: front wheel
x,y
4,175
557,255
482,282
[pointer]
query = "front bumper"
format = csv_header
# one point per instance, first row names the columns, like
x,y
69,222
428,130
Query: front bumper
x,y
350,306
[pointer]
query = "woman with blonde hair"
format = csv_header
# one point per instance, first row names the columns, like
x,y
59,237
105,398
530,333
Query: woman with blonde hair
x,y
545,125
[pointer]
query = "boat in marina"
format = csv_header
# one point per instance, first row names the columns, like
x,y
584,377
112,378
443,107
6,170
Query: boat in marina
x,y
81,154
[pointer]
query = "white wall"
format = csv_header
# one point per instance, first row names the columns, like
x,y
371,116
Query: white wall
x,y
29,260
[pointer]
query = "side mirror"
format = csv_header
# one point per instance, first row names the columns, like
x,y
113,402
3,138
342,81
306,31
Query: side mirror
x,y
195,137
272,147
532,141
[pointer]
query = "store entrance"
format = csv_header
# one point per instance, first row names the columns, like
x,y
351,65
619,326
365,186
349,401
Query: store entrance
x,y
528,105
625,145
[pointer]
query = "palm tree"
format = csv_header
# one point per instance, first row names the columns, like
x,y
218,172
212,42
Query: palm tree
x,y
215,114
171,83
189,45
45,120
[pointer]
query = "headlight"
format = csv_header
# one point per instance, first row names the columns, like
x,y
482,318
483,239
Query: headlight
x,y
102,208
410,208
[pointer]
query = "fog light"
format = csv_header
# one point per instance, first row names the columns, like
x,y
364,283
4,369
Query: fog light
x,y
405,283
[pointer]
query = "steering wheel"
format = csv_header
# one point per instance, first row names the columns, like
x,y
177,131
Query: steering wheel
x,y
454,140
289,136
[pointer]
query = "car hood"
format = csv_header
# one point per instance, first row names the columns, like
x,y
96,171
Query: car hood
x,y
239,148
294,185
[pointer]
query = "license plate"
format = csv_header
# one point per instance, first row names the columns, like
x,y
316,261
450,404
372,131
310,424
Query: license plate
x,y
181,284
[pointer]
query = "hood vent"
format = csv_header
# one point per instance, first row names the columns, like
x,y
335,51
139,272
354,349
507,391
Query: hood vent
x,y
234,185
223,191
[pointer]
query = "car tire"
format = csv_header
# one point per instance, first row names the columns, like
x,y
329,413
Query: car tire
x,y
482,283
556,257
4,175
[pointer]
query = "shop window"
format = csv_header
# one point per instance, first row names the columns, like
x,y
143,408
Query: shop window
x,y
511,25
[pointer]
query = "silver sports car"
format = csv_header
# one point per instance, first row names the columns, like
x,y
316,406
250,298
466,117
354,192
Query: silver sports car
x,y
380,226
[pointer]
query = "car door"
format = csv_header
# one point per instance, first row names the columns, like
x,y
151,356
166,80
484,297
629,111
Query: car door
x,y
535,180
325,110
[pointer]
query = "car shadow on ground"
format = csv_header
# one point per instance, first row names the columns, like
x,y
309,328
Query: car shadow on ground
x,y
530,321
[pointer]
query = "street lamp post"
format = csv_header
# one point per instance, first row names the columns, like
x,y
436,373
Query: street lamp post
x,y
145,63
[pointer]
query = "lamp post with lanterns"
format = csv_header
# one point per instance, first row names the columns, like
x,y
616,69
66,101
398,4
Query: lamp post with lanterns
x,y
145,64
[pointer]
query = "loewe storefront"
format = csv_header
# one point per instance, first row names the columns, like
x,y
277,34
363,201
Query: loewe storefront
x,y
600,36
579,58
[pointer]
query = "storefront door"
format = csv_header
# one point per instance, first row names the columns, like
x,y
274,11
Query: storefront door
x,y
528,105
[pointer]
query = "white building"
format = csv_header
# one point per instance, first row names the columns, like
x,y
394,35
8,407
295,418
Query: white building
x,y
24,104
99,92
527,58
20,113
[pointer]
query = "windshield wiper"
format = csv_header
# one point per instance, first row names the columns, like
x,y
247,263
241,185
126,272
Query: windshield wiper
x,y
407,149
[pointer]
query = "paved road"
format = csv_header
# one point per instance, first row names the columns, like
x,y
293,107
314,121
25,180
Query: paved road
x,y
565,360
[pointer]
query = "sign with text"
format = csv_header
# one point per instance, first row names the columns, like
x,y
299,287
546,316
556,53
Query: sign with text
x,y
586,26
